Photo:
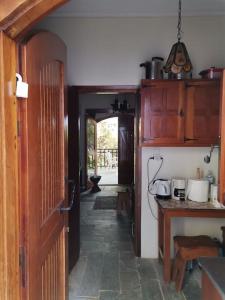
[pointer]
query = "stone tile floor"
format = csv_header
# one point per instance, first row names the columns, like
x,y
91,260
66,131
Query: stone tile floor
x,y
107,268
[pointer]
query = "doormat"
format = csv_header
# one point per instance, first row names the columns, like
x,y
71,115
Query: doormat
x,y
105,202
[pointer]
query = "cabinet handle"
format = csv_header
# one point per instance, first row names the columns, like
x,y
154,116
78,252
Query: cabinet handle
x,y
149,139
187,139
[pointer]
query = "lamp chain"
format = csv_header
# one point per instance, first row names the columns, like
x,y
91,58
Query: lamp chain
x,y
179,23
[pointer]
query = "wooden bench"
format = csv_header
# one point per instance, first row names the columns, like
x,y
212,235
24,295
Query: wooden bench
x,y
188,248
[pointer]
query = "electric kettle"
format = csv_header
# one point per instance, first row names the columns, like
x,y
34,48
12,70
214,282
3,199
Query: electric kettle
x,y
162,188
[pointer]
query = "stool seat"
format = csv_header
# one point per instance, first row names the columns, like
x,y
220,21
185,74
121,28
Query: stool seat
x,y
189,248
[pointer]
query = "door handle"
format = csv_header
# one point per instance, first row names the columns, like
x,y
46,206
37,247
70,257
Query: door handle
x,y
72,198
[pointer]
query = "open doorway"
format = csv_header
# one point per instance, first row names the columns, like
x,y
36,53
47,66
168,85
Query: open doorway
x,y
107,150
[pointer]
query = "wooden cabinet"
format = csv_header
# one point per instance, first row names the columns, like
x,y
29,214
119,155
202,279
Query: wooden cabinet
x,y
202,112
209,290
162,113
180,113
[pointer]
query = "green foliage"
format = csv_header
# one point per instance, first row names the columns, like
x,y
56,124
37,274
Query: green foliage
x,y
107,137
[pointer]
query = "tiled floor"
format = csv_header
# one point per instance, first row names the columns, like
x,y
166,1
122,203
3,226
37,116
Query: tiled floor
x,y
107,268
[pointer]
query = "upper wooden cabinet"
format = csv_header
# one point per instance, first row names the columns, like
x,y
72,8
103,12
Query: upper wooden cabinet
x,y
179,113
202,112
162,113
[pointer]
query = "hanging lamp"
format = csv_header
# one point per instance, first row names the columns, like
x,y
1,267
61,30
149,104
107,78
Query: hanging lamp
x,y
178,60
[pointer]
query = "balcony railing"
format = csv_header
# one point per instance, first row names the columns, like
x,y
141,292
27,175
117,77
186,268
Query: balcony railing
x,y
105,158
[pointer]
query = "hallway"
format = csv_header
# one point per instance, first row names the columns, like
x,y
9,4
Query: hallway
x,y
107,268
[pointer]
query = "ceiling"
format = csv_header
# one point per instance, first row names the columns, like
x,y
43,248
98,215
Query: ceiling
x,y
139,8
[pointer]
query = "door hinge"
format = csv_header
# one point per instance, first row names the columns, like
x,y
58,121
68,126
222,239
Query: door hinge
x,y
22,263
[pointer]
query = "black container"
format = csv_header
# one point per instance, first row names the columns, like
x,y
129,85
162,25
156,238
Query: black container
x,y
147,66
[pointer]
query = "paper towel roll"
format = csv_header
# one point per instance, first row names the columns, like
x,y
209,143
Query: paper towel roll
x,y
197,190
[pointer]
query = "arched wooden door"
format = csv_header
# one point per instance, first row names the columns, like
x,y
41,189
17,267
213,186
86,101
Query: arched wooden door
x,y
43,169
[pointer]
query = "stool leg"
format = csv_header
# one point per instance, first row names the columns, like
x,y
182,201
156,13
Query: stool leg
x,y
175,268
178,271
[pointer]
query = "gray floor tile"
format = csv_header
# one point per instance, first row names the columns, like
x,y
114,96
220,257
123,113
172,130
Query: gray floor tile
x,y
129,280
128,261
109,295
77,274
151,290
191,290
91,282
110,273
147,270
131,295
122,246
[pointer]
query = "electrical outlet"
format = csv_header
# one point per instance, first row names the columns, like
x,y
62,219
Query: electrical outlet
x,y
156,154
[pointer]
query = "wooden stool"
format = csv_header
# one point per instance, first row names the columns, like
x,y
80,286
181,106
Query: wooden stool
x,y
189,248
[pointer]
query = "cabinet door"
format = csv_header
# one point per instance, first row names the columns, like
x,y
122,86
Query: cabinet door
x,y
162,114
202,112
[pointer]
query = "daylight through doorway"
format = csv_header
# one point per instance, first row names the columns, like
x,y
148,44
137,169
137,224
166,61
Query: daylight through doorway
x,y
107,150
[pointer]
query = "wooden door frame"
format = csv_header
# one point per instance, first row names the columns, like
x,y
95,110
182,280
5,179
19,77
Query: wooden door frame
x,y
16,18
126,89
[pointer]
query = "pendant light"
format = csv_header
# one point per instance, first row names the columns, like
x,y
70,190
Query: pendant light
x,y
178,60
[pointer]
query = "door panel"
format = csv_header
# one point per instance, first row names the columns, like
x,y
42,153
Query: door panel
x,y
125,149
44,167
162,113
202,112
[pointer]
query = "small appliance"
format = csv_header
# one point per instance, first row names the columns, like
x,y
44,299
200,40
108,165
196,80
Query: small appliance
x,y
178,186
197,190
162,188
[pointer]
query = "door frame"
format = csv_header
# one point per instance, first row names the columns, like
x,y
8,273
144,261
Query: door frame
x,y
16,19
126,89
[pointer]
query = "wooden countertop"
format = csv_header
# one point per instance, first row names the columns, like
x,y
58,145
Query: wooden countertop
x,y
187,204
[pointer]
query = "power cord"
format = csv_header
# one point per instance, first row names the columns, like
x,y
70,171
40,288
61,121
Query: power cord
x,y
151,182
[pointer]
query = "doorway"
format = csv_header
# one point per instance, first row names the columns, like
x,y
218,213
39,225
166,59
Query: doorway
x,y
96,103
107,150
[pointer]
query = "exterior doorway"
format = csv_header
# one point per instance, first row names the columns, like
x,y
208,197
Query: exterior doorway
x,y
107,150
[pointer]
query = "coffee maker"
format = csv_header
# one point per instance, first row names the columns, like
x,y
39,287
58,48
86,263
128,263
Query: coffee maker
x,y
178,186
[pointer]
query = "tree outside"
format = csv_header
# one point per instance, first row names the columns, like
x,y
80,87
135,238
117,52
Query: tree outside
x,y
107,134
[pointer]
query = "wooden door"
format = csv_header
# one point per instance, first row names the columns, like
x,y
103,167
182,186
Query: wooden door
x,y
202,112
162,113
125,149
9,225
43,169
74,176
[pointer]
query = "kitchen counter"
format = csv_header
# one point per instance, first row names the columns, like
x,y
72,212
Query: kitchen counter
x,y
169,209
187,204
215,269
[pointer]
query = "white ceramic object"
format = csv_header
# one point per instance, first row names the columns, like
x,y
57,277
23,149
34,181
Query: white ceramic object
x,y
197,190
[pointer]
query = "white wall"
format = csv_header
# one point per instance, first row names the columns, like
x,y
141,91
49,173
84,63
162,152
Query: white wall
x,y
109,50
178,162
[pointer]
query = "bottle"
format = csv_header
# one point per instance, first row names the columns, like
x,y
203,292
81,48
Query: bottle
x,y
209,176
